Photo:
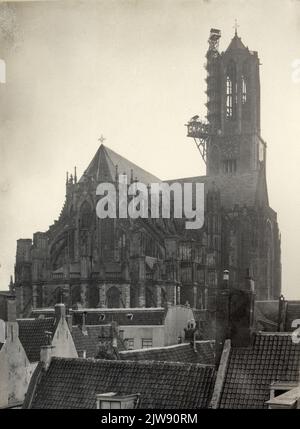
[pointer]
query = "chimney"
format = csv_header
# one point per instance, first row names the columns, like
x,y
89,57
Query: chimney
x,y
234,314
46,355
60,312
11,309
83,324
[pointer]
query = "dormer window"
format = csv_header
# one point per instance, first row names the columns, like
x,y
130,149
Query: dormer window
x,y
112,401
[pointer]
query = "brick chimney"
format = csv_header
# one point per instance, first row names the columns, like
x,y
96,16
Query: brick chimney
x,y
234,314
46,355
11,309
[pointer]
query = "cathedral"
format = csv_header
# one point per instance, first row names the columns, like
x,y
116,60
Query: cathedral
x,y
89,262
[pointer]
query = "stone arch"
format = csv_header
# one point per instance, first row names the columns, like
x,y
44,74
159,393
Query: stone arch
x,y
113,297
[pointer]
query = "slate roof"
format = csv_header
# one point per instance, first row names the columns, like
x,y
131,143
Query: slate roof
x,y
140,317
32,335
236,44
90,341
103,166
177,353
250,372
74,383
239,189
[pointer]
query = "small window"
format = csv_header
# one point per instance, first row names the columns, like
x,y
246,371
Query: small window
x,y
146,343
129,343
229,166
112,401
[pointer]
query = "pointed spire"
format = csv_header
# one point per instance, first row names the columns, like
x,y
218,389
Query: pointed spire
x,y
67,178
75,175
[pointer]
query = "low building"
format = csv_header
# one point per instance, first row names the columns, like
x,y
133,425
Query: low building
x,y
137,327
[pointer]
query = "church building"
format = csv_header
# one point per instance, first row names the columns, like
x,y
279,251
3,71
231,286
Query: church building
x,y
89,262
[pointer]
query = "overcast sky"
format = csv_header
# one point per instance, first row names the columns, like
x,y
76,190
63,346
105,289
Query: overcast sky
x,y
133,71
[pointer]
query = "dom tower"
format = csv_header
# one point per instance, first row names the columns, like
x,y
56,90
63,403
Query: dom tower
x,y
235,155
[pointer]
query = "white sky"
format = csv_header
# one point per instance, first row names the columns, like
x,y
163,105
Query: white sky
x,y
133,70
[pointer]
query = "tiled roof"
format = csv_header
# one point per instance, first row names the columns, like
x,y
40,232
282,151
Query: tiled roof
x,y
32,335
74,383
272,358
177,353
89,341
140,317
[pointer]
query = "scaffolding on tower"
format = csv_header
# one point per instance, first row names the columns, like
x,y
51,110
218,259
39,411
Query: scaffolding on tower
x,y
202,131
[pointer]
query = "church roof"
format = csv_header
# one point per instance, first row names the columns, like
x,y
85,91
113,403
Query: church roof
x,y
103,167
242,189
236,43
74,383
239,189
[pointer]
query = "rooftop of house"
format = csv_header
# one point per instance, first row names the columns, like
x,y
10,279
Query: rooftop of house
x,y
122,316
87,339
185,352
74,383
273,357
33,335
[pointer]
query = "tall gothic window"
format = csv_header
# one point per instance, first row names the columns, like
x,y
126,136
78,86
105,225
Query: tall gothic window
x,y
231,91
244,90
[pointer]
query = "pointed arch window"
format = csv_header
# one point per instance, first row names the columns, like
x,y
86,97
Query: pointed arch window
x,y
244,90
231,91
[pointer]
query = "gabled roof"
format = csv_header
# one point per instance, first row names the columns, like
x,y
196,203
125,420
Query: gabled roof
x,y
1,344
32,334
185,352
272,358
103,167
74,383
89,340
141,316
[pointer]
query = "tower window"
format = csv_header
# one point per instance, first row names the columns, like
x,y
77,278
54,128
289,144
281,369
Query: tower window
x,y
228,97
231,91
244,90
229,166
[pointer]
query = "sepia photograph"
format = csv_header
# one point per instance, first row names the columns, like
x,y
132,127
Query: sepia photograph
x,y
149,207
